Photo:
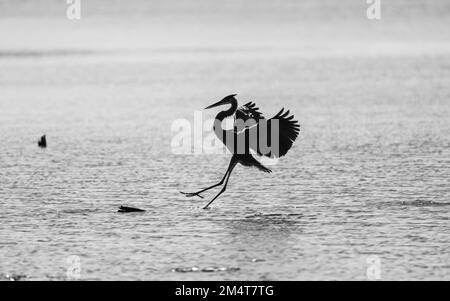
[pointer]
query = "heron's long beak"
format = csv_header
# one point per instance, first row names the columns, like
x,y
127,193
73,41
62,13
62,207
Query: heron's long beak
x,y
222,102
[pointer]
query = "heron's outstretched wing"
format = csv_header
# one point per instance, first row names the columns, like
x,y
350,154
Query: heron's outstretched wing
x,y
274,137
247,112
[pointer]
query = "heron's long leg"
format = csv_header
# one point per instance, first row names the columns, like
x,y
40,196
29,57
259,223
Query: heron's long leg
x,y
225,185
191,194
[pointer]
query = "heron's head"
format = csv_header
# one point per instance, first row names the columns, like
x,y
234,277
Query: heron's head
x,y
225,101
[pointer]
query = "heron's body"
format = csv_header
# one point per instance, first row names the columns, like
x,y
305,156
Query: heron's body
x,y
250,129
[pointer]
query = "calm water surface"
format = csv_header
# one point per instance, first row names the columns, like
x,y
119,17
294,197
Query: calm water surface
x,y
368,175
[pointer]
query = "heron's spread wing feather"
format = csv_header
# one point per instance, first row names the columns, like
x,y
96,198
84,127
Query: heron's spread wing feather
x,y
245,113
249,111
288,130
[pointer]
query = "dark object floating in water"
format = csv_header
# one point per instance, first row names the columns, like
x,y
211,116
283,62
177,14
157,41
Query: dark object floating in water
x,y
212,269
129,209
43,142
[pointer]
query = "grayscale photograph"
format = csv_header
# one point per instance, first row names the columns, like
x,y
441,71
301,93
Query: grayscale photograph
x,y
224,141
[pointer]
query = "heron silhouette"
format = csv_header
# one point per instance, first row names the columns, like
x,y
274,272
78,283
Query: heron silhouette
x,y
250,132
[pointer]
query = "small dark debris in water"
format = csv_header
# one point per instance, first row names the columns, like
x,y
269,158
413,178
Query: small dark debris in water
x,y
15,277
212,269
43,142
275,215
129,209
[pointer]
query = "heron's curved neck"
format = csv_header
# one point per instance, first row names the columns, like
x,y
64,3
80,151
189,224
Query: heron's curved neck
x,y
227,113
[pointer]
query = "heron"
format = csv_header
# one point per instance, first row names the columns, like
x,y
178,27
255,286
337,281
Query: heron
x,y
244,140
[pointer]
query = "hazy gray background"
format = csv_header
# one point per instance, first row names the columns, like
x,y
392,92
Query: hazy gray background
x,y
368,175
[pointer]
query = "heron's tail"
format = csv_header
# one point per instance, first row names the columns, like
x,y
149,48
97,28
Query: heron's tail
x,y
262,167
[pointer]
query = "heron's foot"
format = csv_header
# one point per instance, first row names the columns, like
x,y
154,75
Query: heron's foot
x,y
206,207
191,194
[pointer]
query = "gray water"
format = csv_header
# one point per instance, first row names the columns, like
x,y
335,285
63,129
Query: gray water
x,y
368,175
